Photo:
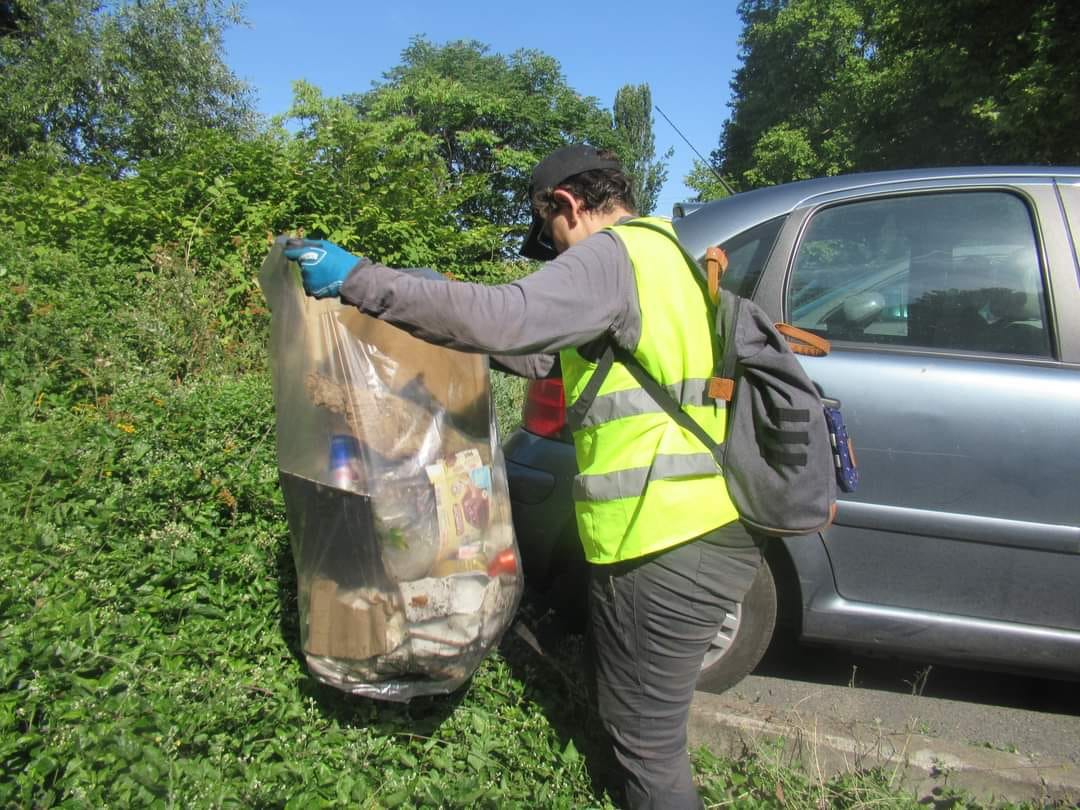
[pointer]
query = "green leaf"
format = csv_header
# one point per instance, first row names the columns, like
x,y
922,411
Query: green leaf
x,y
570,754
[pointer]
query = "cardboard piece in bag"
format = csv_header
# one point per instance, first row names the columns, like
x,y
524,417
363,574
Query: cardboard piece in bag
x,y
408,392
355,624
457,381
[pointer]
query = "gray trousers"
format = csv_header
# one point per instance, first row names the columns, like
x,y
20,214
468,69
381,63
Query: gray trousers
x,y
651,621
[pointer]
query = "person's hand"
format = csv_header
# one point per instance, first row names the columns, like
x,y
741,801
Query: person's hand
x,y
323,265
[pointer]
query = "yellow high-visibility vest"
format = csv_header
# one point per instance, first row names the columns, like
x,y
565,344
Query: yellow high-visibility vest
x,y
645,484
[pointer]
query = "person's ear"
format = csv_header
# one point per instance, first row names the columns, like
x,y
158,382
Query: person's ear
x,y
568,204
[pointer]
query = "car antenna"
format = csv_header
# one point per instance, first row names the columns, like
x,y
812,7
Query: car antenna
x,y
719,177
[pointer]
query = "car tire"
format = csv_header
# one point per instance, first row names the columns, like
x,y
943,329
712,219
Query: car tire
x,y
743,637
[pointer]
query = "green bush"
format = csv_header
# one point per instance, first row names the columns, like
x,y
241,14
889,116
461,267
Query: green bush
x,y
151,645
197,225
149,613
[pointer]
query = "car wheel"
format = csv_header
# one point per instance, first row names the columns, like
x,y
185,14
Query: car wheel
x,y
743,637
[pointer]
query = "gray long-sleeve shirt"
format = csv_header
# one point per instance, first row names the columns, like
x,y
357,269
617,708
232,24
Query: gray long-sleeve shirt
x,y
587,293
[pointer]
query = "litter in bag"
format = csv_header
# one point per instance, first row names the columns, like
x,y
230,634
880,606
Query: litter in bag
x,y
396,496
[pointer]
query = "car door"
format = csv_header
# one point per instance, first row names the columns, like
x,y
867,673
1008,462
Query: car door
x,y
942,305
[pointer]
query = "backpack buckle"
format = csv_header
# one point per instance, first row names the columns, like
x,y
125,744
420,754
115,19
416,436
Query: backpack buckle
x,y
720,388
716,263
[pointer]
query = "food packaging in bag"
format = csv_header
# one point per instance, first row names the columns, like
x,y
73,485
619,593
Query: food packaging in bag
x,y
396,496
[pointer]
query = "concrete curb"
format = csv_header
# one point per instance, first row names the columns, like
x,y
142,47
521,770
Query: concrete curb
x,y
823,746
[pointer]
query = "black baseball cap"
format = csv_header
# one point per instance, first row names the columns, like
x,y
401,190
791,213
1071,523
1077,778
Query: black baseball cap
x,y
556,168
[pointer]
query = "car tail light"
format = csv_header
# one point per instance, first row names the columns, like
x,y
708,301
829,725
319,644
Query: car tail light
x,y
544,412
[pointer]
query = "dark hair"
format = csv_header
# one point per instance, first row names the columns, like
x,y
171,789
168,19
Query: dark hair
x,y
598,189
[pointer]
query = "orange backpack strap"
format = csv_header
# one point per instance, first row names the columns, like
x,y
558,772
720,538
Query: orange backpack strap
x,y
716,262
803,342
799,340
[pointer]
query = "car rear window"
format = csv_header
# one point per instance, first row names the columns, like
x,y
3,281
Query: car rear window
x,y
955,270
747,254
1070,194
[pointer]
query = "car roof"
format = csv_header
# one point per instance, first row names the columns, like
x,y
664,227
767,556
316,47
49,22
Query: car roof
x,y
717,221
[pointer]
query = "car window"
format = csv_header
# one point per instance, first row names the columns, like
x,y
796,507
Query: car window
x,y
944,271
1070,195
747,254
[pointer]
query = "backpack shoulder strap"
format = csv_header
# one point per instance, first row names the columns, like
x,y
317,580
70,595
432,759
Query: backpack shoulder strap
x,y
722,386
575,414
718,387
799,340
665,400
715,259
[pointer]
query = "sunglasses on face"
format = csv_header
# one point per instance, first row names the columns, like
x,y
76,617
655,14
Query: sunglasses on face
x,y
544,237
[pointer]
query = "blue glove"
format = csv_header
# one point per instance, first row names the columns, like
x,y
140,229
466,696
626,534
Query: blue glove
x,y
323,265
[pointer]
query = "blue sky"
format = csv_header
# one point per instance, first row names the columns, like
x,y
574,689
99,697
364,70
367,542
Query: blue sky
x,y
687,53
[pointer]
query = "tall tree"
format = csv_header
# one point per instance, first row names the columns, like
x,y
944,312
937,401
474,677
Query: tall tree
x,y
801,69
633,119
492,116
112,83
841,85
381,187
987,81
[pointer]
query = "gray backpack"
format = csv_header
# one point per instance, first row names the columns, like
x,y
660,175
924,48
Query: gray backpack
x,y
786,452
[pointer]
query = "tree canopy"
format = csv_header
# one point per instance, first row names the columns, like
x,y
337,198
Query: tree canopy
x,y
829,86
146,134
492,117
112,83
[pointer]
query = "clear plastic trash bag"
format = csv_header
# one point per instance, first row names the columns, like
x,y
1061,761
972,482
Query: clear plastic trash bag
x,y
396,496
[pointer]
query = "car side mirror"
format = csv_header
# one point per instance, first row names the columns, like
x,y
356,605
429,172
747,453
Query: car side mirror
x,y
863,308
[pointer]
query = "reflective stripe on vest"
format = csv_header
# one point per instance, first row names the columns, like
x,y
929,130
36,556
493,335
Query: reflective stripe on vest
x,y
630,483
634,401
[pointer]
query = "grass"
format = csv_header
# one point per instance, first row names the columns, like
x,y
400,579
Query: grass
x,y
507,393
149,647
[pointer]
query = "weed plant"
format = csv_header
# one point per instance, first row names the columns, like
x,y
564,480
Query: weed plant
x,y
507,394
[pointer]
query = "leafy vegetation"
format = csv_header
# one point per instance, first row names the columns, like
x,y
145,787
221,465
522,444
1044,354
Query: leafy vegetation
x,y
491,118
634,127
830,86
148,616
112,83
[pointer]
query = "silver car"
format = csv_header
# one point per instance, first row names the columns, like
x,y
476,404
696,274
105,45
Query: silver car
x,y
952,301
